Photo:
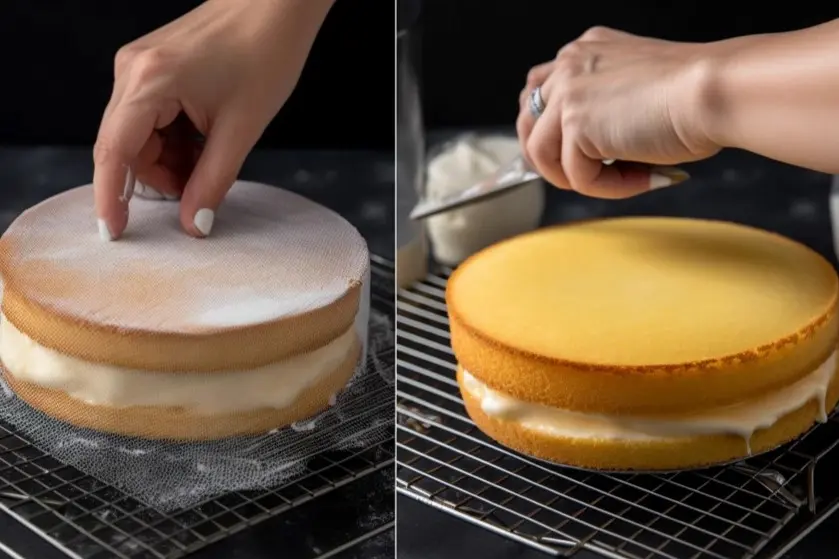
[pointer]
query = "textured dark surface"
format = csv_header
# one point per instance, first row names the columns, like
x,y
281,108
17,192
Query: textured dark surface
x,y
359,185
733,186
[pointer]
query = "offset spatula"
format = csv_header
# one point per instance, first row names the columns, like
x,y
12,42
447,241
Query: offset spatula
x,y
515,174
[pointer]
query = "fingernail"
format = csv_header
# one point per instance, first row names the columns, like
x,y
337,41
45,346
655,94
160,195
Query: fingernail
x,y
203,221
661,177
104,232
128,188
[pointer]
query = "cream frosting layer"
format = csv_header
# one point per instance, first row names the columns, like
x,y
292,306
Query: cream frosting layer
x,y
273,386
742,419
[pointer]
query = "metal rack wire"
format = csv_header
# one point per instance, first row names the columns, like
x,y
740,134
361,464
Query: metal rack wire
x,y
753,509
85,518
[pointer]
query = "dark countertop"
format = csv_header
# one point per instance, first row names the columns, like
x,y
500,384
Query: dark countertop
x,y
360,186
734,186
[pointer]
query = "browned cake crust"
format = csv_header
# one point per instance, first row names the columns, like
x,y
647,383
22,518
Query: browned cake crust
x,y
635,390
231,349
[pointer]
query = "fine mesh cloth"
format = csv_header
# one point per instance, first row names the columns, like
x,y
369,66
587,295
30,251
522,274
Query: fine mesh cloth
x,y
170,476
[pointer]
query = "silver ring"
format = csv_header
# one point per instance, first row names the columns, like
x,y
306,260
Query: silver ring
x,y
537,105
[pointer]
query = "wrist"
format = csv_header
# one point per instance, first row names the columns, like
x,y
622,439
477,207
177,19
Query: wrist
x,y
711,96
720,87
280,24
307,13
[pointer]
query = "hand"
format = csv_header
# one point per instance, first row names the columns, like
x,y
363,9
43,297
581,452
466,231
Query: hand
x,y
610,95
222,70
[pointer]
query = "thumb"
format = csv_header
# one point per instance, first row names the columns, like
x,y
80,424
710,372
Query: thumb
x,y
228,144
600,179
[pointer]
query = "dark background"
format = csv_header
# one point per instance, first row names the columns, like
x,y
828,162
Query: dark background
x,y
56,72
476,53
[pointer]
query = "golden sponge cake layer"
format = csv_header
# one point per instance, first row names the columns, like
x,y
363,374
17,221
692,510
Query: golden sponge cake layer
x,y
643,315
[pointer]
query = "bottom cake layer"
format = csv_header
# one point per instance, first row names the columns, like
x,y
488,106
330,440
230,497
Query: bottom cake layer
x,y
178,423
645,453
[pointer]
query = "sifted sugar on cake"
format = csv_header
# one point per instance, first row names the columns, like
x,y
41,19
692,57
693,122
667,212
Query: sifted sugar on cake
x,y
259,309
273,254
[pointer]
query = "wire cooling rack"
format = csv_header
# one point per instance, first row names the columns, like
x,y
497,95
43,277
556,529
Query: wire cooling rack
x,y
85,518
754,509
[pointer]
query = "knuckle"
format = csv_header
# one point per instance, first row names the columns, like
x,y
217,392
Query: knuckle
x,y
569,51
149,63
571,125
104,152
596,33
538,151
533,77
575,121
123,57
560,87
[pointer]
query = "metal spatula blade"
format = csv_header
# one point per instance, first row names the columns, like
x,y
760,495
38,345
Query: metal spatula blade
x,y
513,175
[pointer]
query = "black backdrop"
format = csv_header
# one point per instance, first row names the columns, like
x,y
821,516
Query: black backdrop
x,y
56,58
56,71
476,53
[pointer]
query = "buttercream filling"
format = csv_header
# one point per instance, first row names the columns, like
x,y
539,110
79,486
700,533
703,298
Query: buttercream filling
x,y
276,385
742,419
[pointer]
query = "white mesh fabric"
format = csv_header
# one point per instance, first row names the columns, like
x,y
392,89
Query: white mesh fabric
x,y
170,476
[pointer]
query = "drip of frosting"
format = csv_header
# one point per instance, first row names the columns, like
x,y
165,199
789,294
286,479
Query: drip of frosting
x,y
272,386
742,419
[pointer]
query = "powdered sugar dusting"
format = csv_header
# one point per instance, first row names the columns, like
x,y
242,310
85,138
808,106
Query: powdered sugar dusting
x,y
261,309
272,254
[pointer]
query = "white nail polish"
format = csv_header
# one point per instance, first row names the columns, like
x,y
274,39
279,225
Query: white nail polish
x,y
203,221
661,177
104,232
659,181
171,197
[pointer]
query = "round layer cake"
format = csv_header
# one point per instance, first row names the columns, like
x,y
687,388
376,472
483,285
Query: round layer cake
x,y
645,343
162,335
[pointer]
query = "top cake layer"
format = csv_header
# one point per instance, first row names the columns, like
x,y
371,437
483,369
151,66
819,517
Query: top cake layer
x,y
275,260
732,310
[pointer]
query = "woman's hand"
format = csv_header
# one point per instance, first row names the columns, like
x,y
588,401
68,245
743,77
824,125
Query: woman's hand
x,y
222,70
610,95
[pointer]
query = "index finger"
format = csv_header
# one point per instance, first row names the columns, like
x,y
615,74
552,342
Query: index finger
x,y
122,134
